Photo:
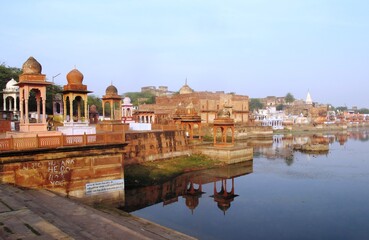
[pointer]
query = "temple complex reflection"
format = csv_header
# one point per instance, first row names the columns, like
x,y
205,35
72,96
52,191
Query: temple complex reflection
x,y
190,186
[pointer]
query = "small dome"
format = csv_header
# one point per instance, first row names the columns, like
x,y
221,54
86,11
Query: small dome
x,y
31,66
111,90
126,101
185,89
75,77
11,83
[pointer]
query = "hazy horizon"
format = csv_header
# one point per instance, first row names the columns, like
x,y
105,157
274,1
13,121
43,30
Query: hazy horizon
x,y
257,48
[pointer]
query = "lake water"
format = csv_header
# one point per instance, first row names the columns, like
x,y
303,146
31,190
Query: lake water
x,y
281,194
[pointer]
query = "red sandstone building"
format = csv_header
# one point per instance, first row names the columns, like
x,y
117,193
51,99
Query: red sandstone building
x,y
206,104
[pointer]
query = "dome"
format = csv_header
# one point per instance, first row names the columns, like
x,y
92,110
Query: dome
x,y
31,66
111,90
11,83
185,89
75,77
126,101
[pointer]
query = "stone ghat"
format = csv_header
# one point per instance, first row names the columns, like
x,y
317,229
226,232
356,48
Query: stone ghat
x,y
154,145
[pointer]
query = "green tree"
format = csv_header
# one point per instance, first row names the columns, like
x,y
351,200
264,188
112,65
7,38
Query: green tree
x,y
279,107
364,111
255,104
289,98
7,73
95,100
138,98
341,109
51,91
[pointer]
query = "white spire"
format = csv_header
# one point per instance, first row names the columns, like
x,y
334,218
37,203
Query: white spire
x,y
308,99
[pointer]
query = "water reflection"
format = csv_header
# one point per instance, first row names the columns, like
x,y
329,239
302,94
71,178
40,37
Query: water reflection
x,y
190,187
281,145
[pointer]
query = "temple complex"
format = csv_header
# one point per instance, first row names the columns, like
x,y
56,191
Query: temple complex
x,y
206,104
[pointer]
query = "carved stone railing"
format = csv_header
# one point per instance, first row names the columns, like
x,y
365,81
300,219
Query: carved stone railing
x,y
40,142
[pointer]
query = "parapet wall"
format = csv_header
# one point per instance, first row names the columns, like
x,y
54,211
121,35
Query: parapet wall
x,y
154,145
87,172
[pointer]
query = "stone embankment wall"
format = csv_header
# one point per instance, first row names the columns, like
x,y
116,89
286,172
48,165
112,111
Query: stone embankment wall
x,y
154,145
242,131
4,126
68,171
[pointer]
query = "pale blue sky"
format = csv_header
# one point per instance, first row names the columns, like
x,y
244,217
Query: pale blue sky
x,y
252,47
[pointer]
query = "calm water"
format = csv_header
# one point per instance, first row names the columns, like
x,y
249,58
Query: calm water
x,y
280,195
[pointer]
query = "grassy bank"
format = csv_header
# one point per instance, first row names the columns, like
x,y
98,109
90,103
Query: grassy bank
x,y
160,171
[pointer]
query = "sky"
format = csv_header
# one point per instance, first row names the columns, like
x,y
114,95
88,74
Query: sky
x,y
256,48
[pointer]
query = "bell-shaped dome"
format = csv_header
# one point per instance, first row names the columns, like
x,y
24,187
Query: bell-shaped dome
x,y
31,66
11,84
126,101
75,77
111,90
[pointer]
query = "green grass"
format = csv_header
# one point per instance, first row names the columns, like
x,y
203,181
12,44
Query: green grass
x,y
160,171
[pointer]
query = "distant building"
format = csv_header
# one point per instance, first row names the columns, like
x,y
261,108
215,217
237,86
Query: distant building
x,y
160,91
271,101
206,104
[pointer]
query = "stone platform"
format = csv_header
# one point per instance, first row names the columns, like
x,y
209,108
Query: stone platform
x,y
40,214
228,154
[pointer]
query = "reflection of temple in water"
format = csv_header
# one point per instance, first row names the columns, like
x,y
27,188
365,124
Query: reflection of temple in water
x,y
192,195
190,186
223,197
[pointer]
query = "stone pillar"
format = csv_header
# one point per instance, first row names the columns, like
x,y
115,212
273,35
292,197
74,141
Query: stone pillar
x,y
44,109
86,110
78,110
65,108
70,109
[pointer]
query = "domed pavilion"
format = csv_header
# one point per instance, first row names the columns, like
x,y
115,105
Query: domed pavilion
x,y
112,101
75,93
224,123
10,97
32,80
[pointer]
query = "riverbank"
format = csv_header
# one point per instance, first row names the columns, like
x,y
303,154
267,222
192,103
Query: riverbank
x,y
149,173
28,214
